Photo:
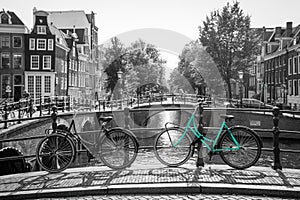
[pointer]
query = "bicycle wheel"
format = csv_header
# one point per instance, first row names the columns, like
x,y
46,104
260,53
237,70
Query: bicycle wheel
x,y
118,149
55,152
250,150
165,151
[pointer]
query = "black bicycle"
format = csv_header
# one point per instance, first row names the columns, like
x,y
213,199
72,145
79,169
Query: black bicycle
x,y
116,147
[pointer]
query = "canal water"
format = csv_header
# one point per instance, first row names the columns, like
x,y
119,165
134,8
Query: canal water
x,y
159,119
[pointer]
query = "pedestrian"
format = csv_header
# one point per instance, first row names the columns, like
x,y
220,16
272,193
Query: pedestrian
x,y
26,94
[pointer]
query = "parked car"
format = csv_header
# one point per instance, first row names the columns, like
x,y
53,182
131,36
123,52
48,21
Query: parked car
x,y
254,103
230,104
282,106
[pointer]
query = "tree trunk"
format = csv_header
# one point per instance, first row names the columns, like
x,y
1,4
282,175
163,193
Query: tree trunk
x,y
229,89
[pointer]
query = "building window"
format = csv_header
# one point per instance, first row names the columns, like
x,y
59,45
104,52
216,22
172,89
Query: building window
x,y
34,62
295,87
46,62
290,87
31,44
18,80
5,42
50,44
62,81
298,64
5,81
17,61
4,19
17,41
290,66
41,30
41,44
279,76
31,84
298,86
38,86
295,65
5,61
47,84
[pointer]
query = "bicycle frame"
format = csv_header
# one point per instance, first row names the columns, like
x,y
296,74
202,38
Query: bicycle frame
x,y
204,139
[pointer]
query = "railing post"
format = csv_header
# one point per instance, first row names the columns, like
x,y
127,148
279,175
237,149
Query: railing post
x,y
63,107
30,107
41,106
5,115
172,98
200,161
49,105
104,101
56,101
54,118
126,117
276,132
69,103
126,126
19,112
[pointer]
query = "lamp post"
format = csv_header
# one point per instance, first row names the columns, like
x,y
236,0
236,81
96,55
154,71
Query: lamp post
x,y
120,76
241,74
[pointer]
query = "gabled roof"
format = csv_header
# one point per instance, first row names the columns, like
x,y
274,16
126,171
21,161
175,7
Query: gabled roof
x,y
59,34
14,18
68,19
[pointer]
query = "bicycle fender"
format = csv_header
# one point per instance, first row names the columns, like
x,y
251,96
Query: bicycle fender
x,y
126,131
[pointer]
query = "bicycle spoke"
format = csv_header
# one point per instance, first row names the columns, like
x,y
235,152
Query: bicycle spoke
x,y
249,151
169,155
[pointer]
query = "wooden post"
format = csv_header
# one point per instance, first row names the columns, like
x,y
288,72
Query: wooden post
x,y
200,161
276,132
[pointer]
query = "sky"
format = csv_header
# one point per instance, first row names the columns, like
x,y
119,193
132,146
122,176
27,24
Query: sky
x,y
115,17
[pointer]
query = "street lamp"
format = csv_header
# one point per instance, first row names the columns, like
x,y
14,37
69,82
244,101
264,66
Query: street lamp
x,y
241,74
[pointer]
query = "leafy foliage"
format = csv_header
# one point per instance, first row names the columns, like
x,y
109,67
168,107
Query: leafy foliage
x,y
228,39
140,64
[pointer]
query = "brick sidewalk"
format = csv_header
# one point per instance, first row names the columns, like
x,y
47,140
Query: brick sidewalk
x,y
101,180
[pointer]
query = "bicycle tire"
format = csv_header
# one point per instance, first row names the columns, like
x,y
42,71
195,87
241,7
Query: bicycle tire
x,y
55,152
118,149
169,155
250,150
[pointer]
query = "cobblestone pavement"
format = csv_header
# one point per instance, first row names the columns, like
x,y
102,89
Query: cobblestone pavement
x,y
171,197
213,179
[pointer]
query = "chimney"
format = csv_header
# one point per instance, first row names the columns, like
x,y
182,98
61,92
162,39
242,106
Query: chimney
x,y
289,29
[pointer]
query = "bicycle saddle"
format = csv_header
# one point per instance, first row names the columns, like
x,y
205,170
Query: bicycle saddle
x,y
227,117
106,119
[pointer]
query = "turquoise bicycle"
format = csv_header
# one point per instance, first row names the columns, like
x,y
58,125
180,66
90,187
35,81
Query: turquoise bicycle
x,y
238,146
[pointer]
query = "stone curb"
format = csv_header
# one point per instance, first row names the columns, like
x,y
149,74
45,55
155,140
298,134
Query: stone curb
x,y
168,188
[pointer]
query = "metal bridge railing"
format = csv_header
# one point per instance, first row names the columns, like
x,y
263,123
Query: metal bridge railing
x,y
275,130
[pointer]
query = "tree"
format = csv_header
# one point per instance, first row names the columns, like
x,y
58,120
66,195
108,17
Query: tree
x,y
140,64
196,71
228,39
112,62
